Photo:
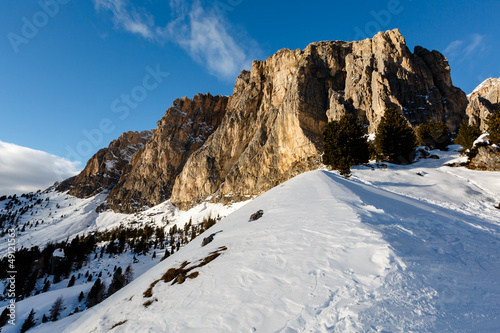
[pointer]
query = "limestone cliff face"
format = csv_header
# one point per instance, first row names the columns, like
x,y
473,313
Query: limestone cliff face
x,y
483,101
274,120
269,130
381,72
150,176
104,169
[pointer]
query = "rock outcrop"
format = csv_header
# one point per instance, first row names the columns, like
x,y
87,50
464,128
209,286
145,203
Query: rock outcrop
x,y
104,169
150,176
275,117
483,101
270,129
487,158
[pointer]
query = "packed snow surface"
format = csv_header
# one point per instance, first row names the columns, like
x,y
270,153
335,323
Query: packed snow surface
x,y
393,249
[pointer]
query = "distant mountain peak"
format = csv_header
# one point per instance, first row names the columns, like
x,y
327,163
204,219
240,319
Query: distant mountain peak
x,y
104,169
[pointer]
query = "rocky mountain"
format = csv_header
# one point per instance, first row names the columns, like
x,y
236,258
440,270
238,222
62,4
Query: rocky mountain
x,y
272,128
104,169
150,176
229,148
482,101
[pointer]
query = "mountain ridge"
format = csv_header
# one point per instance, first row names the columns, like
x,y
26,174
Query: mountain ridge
x,y
392,248
104,169
270,129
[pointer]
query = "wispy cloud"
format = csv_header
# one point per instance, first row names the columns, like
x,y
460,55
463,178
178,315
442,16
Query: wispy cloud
x,y
453,48
24,170
205,37
472,45
475,44
203,32
127,17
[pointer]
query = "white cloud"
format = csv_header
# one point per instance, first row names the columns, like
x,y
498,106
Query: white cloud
x,y
473,45
204,33
127,17
205,37
25,170
453,48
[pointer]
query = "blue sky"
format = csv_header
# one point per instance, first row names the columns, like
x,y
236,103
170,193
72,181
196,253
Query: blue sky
x,y
74,74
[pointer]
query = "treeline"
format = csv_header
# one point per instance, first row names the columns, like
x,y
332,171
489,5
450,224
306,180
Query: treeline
x,y
97,294
34,264
12,214
346,144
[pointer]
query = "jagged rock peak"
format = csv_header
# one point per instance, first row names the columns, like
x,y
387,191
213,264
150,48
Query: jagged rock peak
x,y
269,130
149,178
272,128
483,101
104,169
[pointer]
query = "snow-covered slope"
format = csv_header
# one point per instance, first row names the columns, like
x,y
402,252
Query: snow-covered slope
x,y
62,216
53,217
388,250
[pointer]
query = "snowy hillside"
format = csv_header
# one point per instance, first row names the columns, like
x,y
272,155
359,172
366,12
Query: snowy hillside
x,y
54,217
60,216
406,248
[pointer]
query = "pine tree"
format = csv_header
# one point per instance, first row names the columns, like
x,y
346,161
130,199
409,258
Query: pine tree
x,y
165,255
4,317
434,135
71,282
117,283
29,322
493,123
81,296
467,134
395,141
96,293
129,274
344,167
55,310
45,319
46,286
345,144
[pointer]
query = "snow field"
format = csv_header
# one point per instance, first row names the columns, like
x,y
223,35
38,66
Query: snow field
x,y
329,254
399,249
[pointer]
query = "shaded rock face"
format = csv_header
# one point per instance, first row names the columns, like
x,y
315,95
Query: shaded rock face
x,y
483,101
487,158
104,169
150,176
382,73
274,120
